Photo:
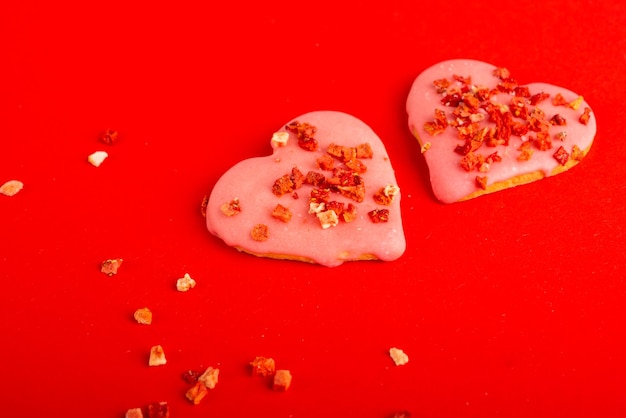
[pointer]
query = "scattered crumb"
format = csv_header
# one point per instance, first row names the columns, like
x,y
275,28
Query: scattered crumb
x,y
109,137
263,366
158,410
97,158
11,187
185,283
196,393
134,413
282,380
425,147
143,316
157,356
398,356
204,383
110,266
209,377
191,376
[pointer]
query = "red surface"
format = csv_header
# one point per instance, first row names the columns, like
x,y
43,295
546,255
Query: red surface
x,y
509,305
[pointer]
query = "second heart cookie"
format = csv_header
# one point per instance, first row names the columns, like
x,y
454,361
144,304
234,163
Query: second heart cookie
x,y
481,131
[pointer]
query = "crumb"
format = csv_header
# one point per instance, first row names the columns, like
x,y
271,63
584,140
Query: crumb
x,y
282,380
191,376
134,413
143,316
109,137
158,410
263,366
185,283
209,377
398,356
157,356
196,393
97,158
11,187
110,266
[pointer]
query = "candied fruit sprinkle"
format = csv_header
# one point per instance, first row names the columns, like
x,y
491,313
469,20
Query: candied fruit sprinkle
x,y
441,84
561,155
559,100
525,151
577,153
328,218
260,232
231,208
481,181
538,98
326,162
283,185
364,151
280,139
379,215
584,118
281,213
502,73
385,195
357,166
558,120
575,104
438,125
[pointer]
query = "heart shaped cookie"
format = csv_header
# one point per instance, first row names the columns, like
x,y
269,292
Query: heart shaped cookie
x,y
481,131
327,194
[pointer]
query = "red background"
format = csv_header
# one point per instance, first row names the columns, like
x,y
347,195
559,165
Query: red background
x,y
508,305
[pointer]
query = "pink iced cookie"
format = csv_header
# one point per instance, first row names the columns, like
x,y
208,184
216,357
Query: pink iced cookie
x,y
304,203
481,131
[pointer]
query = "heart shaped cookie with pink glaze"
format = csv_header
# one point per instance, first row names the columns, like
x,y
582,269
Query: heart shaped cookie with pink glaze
x,y
481,131
327,194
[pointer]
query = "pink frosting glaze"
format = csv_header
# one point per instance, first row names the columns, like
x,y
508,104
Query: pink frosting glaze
x,y
450,182
303,237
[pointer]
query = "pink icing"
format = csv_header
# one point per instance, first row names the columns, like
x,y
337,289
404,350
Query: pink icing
x,y
251,182
450,182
